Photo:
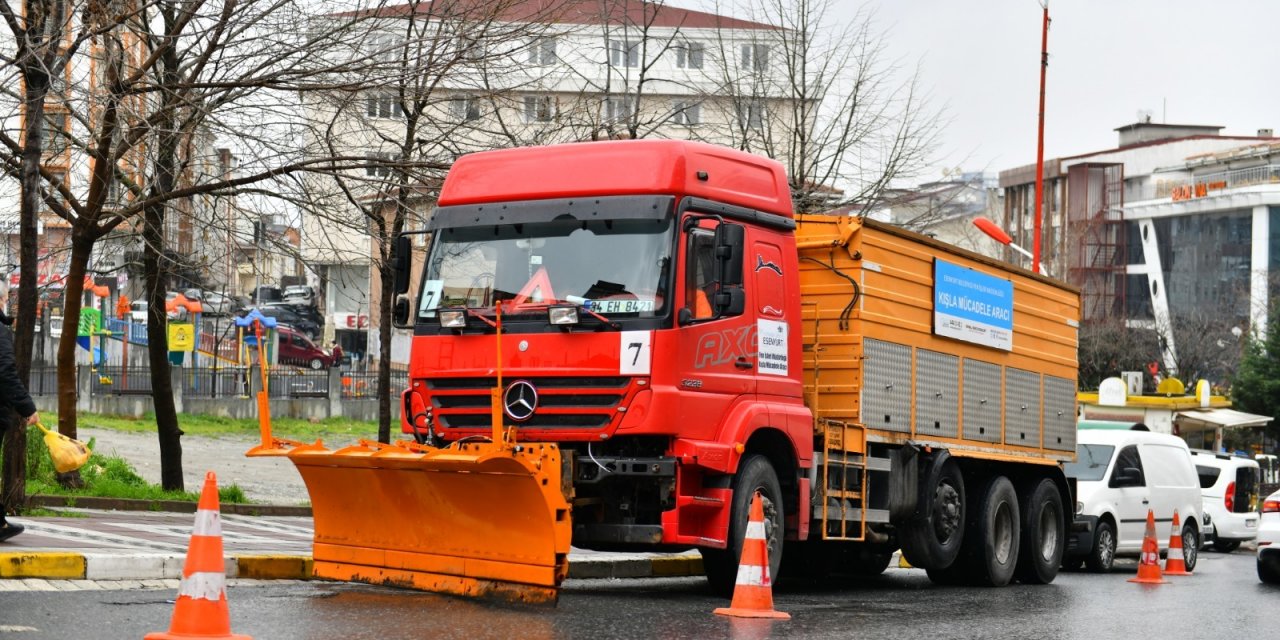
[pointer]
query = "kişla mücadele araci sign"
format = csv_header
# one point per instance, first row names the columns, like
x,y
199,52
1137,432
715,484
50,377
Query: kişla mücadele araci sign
x,y
972,306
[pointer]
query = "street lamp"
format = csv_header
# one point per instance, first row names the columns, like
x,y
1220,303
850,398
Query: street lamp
x,y
991,229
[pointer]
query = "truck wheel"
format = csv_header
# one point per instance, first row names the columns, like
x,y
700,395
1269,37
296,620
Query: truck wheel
x,y
721,565
1043,534
999,533
1190,545
1103,553
932,539
1225,546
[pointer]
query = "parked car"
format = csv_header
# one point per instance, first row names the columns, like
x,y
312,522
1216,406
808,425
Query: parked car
x,y
1119,476
307,312
285,316
1269,540
217,304
138,311
265,294
297,349
299,294
1229,485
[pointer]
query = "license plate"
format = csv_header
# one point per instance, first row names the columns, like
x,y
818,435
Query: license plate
x,y
1249,524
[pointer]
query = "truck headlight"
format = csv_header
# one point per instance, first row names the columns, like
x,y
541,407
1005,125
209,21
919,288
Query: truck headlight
x,y
562,315
453,318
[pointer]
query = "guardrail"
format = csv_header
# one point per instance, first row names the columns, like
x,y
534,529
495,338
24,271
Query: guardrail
x,y
1209,183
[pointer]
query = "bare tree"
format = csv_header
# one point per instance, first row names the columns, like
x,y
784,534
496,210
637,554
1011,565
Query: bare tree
x,y
823,98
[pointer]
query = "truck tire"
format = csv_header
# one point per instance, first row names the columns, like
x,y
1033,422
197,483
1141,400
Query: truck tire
x,y
932,539
998,527
1103,553
721,565
1044,535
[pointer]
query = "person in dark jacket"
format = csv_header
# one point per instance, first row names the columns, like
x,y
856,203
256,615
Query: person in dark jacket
x,y
13,394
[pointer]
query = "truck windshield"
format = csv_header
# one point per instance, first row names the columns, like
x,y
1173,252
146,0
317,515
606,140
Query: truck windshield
x,y
1091,462
616,268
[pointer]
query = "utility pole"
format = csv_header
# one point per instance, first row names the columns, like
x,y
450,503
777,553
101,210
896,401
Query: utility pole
x,y
1039,217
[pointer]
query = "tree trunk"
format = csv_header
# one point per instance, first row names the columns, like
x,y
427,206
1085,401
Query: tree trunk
x,y
386,274
13,467
158,348
73,296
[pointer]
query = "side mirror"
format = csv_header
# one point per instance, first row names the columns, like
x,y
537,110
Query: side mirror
x,y
400,311
730,241
402,259
730,301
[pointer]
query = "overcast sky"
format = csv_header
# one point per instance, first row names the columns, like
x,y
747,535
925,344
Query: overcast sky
x,y
1186,61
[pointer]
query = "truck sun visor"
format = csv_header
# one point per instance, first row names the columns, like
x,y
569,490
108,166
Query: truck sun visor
x,y
586,208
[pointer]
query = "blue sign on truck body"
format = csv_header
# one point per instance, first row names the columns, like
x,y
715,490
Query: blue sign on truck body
x,y
972,306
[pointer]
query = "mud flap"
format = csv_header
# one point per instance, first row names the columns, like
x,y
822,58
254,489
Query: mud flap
x,y
904,483
475,519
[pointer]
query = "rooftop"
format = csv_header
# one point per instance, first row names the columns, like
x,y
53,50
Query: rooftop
x,y
585,12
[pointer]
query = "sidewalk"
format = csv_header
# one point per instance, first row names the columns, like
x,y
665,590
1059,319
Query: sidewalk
x,y
142,545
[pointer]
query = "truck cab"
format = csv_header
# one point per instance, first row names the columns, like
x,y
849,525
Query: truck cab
x,y
650,331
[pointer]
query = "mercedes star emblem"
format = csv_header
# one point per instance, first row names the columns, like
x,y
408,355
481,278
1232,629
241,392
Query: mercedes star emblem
x,y
520,400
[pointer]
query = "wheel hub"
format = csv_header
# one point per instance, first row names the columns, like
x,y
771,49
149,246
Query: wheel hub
x,y
946,511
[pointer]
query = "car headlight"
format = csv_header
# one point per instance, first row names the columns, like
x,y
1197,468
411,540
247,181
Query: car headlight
x,y
562,315
453,318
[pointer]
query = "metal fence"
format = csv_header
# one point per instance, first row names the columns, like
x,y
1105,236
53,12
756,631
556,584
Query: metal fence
x,y
298,383
220,382
43,381
364,384
121,380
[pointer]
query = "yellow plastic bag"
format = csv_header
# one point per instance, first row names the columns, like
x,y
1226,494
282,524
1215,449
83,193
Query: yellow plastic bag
x,y
68,454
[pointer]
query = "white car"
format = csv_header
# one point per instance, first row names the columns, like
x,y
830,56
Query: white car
x,y
138,311
1229,485
1269,540
1120,474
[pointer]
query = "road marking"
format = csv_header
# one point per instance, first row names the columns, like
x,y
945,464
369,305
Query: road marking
x,y
9,628
77,533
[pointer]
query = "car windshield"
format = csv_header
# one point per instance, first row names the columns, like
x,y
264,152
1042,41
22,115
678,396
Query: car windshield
x,y
613,267
1091,462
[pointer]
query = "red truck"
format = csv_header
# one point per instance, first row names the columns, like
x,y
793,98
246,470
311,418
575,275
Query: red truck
x,y
620,343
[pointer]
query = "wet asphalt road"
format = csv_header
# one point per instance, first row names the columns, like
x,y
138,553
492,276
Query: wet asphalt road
x,y
1224,600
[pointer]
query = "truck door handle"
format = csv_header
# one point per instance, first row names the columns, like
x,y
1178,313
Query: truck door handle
x,y
742,363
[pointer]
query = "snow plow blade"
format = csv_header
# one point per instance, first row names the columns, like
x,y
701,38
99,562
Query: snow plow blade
x,y
474,519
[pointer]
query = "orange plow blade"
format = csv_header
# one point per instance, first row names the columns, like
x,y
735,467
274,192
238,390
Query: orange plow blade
x,y
473,519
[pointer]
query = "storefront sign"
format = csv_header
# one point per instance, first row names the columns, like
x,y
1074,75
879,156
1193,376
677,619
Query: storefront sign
x,y
972,306
1197,190
350,321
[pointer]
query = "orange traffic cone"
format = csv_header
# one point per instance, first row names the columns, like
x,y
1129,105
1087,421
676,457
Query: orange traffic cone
x,y
1149,562
1174,563
753,592
201,610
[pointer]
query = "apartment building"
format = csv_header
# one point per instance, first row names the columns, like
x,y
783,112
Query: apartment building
x,y
585,70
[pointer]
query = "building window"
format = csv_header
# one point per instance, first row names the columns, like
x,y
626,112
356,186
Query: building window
x,y
470,48
689,55
386,48
539,108
752,115
618,109
755,57
465,109
383,105
542,52
376,168
55,133
686,113
624,54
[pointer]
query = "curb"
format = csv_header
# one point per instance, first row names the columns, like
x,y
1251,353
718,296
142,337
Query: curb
x,y
56,565
174,506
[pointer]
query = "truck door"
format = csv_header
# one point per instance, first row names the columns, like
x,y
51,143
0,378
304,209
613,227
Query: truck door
x,y
717,352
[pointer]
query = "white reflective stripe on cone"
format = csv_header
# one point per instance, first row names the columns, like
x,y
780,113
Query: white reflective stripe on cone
x,y
755,531
1150,558
203,585
208,523
752,575
1175,553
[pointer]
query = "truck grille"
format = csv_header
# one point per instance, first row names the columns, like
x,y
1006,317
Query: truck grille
x,y
563,402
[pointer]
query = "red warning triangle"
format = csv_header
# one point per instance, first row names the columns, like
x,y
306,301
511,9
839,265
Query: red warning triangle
x,y
536,291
